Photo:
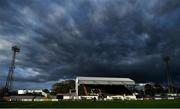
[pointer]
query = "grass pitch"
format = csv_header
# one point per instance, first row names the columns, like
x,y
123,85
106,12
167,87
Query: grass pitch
x,y
96,104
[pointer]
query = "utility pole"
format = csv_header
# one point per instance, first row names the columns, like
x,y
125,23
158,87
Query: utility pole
x,y
9,80
170,84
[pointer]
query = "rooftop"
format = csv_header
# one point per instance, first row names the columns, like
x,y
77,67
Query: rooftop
x,y
104,80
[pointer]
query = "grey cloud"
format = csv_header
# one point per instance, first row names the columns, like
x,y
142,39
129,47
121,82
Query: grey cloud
x,y
117,38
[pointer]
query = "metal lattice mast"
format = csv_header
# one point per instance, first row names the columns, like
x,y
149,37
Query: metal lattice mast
x,y
9,80
170,84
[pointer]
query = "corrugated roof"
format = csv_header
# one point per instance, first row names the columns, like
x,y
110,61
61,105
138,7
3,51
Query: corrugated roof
x,y
104,80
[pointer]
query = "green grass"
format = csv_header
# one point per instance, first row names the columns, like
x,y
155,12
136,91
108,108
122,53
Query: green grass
x,y
97,104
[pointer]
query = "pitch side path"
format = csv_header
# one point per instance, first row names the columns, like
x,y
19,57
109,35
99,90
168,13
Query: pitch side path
x,y
96,104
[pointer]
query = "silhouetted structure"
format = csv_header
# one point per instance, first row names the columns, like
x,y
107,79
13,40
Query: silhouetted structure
x,y
170,84
103,90
9,79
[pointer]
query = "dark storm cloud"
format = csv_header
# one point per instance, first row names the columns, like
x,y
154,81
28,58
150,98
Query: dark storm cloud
x,y
115,38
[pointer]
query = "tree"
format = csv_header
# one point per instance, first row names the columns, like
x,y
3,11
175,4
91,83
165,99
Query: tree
x,y
64,86
149,90
158,88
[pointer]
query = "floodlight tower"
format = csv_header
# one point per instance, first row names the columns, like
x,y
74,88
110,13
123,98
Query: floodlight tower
x,y
170,84
9,80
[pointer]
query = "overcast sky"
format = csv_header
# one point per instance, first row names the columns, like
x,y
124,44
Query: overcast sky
x,y
62,39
